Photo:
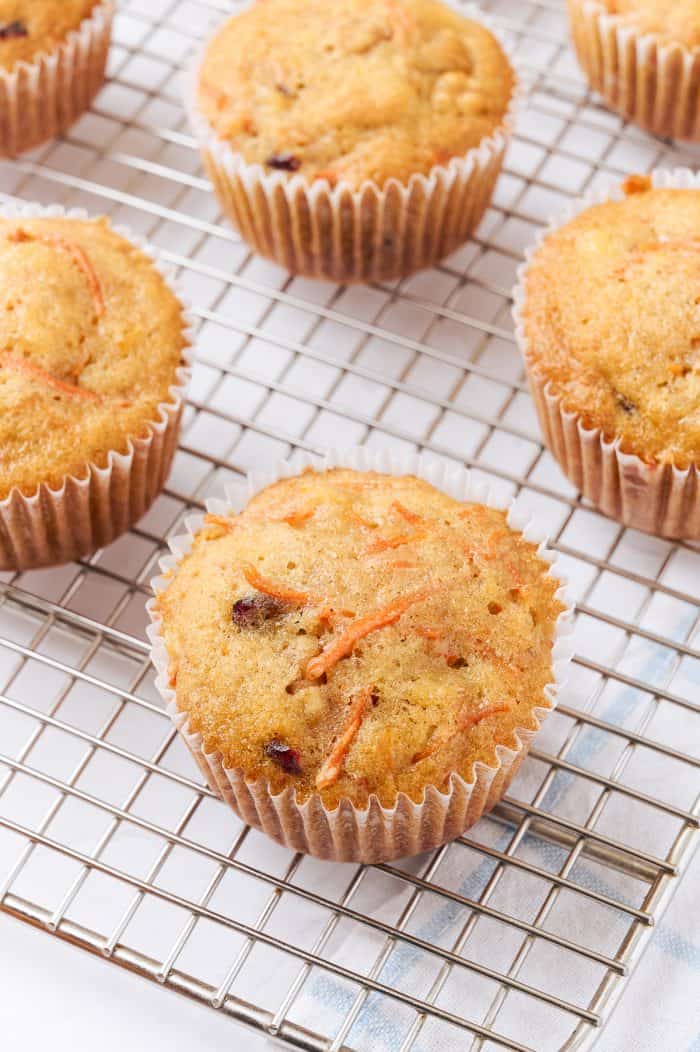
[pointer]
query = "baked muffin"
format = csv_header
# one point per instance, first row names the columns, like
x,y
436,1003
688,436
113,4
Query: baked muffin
x,y
52,64
92,343
609,320
309,123
643,57
353,640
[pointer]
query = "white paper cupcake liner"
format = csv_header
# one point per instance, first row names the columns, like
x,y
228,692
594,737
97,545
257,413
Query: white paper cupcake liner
x,y
41,98
656,498
349,833
655,85
53,526
347,235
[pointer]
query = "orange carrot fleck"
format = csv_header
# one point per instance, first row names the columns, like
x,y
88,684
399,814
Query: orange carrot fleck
x,y
297,518
405,513
273,588
224,521
332,616
345,643
331,767
473,509
464,724
327,173
383,544
21,365
403,564
471,719
429,633
77,255
358,519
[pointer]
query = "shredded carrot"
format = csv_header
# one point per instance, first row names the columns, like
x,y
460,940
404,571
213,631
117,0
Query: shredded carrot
x,y
224,521
345,643
297,518
429,633
383,544
365,523
403,564
473,718
21,365
273,588
464,724
409,516
332,616
77,255
331,767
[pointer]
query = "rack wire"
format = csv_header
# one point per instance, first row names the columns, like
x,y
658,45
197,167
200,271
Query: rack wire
x,y
109,840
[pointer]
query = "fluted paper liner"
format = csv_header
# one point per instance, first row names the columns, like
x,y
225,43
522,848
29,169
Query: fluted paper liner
x,y
374,833
656,498
86,512
347,235
654,84
41,98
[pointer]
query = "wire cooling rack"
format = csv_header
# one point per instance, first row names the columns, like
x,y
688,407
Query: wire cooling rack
x,y
108,838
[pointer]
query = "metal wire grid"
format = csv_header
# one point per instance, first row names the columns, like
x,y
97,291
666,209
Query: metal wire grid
x,y
108,838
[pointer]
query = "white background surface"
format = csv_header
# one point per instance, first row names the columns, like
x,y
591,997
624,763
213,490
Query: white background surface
x,y
53,996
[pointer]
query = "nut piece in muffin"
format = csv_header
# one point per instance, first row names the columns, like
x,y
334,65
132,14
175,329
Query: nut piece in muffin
x,y
53,55
611,320
382,90
353,635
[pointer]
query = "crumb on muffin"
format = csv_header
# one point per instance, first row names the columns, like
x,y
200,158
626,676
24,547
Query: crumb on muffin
x,y
353,634
383,89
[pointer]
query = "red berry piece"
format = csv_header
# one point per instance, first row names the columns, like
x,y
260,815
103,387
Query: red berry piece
x,y
284,756
284,162
13,29
253,611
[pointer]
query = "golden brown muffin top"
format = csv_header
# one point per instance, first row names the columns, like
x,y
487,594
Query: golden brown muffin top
x,y
30,27
673,21
612,318
90,341
382,89
358,634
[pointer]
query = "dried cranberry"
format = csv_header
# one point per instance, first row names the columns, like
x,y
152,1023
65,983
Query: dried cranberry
x,y
284,162
284,756
252,611
13,29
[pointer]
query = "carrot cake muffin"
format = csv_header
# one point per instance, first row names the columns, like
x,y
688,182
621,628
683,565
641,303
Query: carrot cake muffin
x,y
383,91
654,84
91,341
52,61
611,327
352,635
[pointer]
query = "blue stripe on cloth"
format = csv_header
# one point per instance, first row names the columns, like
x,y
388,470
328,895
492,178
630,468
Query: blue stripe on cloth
x,y
375,1017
